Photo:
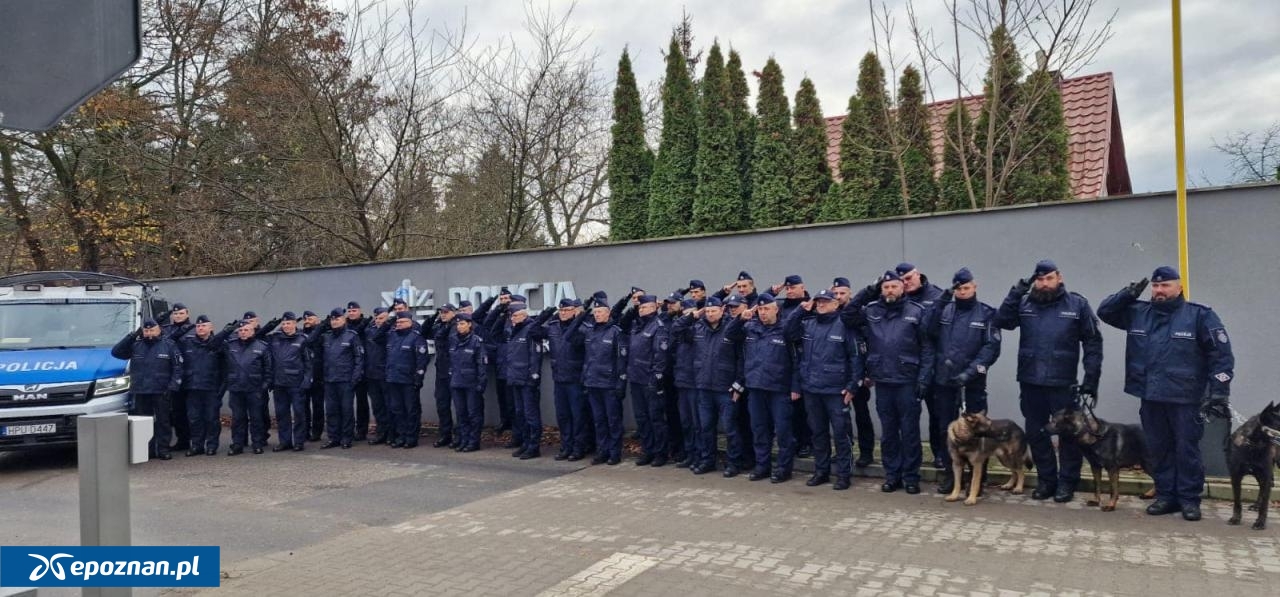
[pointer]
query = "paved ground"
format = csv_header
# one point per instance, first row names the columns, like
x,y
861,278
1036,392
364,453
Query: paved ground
x,y
373,520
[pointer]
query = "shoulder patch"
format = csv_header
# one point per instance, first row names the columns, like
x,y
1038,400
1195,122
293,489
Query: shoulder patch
x,y
1220,335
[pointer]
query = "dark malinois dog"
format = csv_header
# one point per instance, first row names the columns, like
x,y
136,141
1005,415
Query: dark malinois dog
x,y
972,439
1109,446
1254,448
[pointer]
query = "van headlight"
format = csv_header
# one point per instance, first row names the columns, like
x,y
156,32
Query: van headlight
x,y
110,385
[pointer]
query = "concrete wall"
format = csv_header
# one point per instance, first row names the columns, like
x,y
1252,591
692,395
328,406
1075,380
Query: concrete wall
x,y
1099,245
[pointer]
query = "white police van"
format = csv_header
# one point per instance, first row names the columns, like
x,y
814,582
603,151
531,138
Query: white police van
x,y
56,334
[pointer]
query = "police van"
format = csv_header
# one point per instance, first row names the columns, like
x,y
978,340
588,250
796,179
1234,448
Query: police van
x,y
56,334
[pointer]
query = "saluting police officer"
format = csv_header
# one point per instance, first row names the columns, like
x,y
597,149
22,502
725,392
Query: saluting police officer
x,y
178,325
343,354
522,363
203,375
291,359
900,361
830,370
249,372
1056,325
439,329
566,372
375,374
862,426
966,343
715,360
155,368
647,353
315,394
407,360
1178,360
769,376
604,374
468,375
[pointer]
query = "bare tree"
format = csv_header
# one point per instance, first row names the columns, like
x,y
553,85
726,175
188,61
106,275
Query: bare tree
x,y
1253,156
546,109
1057,36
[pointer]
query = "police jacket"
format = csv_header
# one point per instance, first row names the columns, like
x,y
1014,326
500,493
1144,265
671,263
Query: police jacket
x,y
155,366
1176,351
604,363
249,365
202,362
1053,333
175,331
647,350
566,355
291,356
494,331
683,368
441,333
829,359
407,357
898,346
767,356
965,339
928,295
317,361
375,350
468,362
343,354
522,353
715,354
787,306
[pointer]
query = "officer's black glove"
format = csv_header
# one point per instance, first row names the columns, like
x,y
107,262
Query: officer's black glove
x,y
231,326
947,296
961,379
548,312
163,316
1023,285
1135,288
271,325
922,391
682,291
1218,406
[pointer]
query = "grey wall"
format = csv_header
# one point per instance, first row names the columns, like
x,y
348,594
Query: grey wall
x,y
1099,245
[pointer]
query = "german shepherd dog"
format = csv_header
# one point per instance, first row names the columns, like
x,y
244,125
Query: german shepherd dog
x,y
972,439
1253,449
1110,446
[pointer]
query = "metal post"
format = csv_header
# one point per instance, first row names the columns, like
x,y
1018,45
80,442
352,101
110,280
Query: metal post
x,y
103,448
1180,151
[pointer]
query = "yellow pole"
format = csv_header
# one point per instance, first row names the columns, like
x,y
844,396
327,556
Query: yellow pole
x,y
1180,148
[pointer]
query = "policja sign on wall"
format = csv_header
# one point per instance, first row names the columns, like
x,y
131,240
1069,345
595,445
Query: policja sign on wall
x,y
55,54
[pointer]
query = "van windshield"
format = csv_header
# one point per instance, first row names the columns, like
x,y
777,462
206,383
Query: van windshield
x,y
36,325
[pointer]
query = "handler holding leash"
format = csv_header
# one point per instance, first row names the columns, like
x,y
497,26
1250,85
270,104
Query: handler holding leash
x,y
1178,361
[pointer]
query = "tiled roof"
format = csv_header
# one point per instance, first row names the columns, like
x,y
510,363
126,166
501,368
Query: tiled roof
x,y
1097,162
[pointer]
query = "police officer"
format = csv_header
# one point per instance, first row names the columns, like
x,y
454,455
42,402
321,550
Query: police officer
x,y
604,375
493,319
715,360
862,425
468,375
830,369
203,372
744,286
796,295
155,368
647,353
260,331
407,359
315,393
375,374
684,375
439,329
178,325
1178,360
566,372
522,360
966,343
343,354
900,361
357,321
697,291
291,357
920,290
768,375
1056,325
249,373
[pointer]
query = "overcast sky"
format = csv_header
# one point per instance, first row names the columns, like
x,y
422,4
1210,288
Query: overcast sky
x,y
1231,54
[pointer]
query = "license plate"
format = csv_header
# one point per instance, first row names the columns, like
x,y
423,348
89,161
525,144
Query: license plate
x,y
28,429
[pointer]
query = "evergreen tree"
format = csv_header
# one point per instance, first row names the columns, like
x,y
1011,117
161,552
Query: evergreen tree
x,y
1041,173
953,195
848,200
674,183
771,160
917,150
810,174
744,125
885,190
630,161
993,134
717,206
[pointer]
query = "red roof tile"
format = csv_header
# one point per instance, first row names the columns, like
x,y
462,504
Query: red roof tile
x,y
1096,142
